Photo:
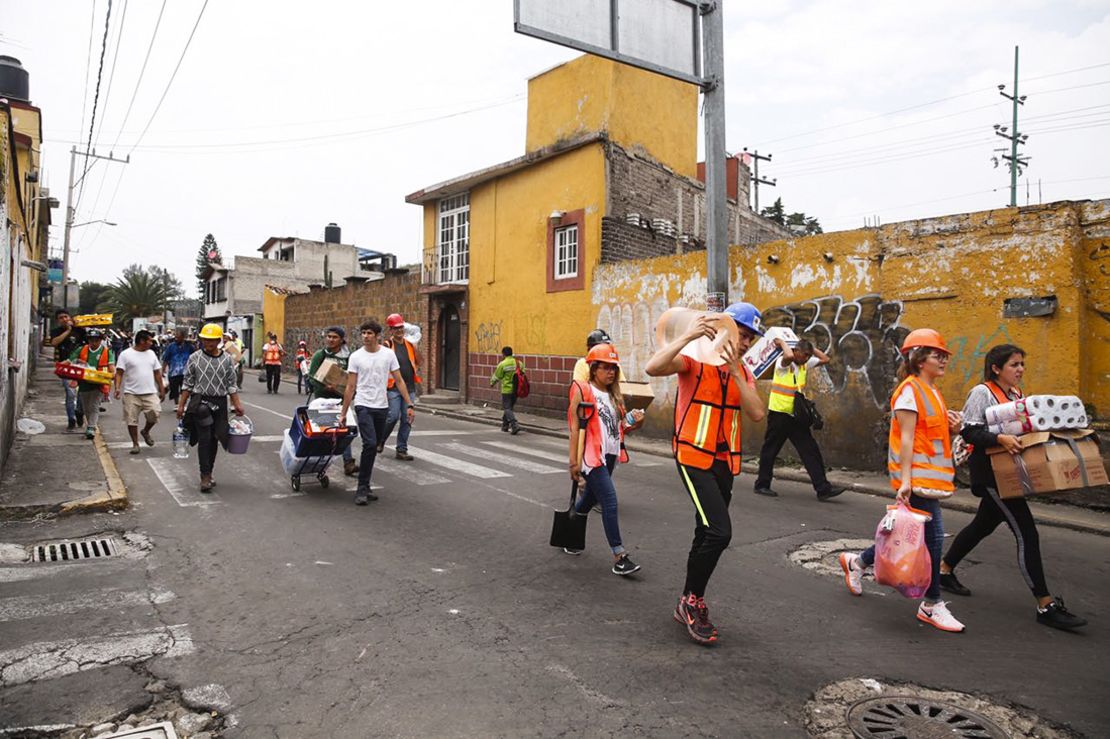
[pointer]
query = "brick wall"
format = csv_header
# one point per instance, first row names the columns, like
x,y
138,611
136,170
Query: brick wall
x,y
639,185
548,377
308,314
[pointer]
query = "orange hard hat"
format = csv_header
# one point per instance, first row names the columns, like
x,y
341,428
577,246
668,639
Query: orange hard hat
x,y
925,337
394,320
603,353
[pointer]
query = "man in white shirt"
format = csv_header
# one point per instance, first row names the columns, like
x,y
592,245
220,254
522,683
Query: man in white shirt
x,y
368,372
139,377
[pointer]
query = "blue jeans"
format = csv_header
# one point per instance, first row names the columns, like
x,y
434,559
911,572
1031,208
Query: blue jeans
x,y
934,540
371,427
397,413
599,489
71,401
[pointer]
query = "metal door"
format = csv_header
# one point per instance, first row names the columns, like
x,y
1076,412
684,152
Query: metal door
x,y
450,340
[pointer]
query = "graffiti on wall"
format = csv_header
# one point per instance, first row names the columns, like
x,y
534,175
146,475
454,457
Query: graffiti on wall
x,y
969,352
487,337
631,326
860,336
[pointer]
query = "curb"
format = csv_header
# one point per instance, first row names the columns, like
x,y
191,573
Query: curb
x,y
1042,511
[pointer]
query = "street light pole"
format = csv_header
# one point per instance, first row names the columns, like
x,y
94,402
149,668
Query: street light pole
x,y
716,192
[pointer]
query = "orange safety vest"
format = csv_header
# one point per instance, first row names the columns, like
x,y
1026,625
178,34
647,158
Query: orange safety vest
x,y
1000,394
707,418
932,466
591,451
101,363
271,353
412,359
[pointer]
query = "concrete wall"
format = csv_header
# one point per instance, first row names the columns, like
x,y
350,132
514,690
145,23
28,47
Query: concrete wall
x,y
856,294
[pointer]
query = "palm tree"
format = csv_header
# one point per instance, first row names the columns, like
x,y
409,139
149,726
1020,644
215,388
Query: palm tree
x,y
136,294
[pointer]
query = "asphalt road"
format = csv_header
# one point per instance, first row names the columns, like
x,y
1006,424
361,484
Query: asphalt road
x,y
440,610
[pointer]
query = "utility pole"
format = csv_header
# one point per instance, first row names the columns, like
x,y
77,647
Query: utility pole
x,y
756,179
716,193
1016,163
71,211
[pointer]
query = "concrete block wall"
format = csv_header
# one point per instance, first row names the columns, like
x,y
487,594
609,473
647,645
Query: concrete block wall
x,y
548,379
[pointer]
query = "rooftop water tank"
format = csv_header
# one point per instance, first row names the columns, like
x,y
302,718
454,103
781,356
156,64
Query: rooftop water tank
x,y
15,83
331,234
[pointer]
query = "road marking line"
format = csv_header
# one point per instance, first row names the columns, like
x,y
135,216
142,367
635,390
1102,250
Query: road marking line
x,y
144,447
515,462
21,607
50,660
166,473
408,472
18,574
457,465
264,408
529,450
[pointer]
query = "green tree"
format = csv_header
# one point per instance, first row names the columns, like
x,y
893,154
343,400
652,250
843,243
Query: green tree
x,y
800,223
775,212
91,295
172,285
137,293
208,253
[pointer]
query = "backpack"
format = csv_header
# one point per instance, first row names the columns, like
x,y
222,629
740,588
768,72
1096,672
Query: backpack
x,y
521,388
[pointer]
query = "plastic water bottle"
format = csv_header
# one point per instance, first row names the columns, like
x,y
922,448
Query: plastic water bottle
x,y
180,443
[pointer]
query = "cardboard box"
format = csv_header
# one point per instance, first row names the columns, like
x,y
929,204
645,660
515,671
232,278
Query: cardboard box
x,y
765,352
330,373
637,395
1051,461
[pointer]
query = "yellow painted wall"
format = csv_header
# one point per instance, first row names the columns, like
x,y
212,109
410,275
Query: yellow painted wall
x,y
1094,259
273,315
508,253
950,273
637,109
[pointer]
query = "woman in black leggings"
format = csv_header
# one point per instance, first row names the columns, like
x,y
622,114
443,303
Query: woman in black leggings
x,y
1002,372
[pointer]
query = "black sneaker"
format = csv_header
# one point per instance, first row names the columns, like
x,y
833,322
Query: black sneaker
x,y
832,492
362,497
625,566
568,550
696,622
1058,617
766,491
952,584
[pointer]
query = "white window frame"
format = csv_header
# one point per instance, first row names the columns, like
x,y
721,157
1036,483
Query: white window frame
x,y
453,240
566,252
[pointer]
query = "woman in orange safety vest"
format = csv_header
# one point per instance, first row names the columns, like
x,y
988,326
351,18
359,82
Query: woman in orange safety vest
x,y
920,462
603,448
272,352
706,444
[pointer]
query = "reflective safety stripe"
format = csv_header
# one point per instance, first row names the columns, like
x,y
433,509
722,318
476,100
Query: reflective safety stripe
x,y
733,441
705,414
924,396
938,461
693,495
938,447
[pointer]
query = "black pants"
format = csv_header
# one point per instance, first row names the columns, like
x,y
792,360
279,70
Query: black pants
x,y
993,510
208,437
273,377
710,490
783,426
175,386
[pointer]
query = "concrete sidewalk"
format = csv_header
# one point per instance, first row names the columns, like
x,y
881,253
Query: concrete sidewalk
x,y
58,471
869,483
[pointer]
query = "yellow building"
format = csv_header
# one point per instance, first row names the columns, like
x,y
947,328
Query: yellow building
x,y
608,174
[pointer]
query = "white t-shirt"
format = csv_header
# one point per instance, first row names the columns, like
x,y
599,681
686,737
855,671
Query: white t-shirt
x,y
906,401
138,371
610,426
372,370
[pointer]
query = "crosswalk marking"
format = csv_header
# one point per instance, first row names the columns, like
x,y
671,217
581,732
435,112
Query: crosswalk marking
x,y
515,462
458,465
49,660
171,478
21,607
554,456
409,472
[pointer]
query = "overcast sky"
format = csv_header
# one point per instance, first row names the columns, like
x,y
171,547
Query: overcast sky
x,y
285,116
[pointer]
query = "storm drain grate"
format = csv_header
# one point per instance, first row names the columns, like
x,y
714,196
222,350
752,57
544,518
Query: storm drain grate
x,y
67,551
909,717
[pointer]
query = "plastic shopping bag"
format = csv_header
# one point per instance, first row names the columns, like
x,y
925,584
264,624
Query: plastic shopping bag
x,y
902,559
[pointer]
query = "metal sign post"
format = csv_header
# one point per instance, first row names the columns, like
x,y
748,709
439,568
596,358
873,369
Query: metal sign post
x,y
683,39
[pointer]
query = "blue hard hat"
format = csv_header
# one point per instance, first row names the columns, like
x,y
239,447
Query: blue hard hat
x,y
747,315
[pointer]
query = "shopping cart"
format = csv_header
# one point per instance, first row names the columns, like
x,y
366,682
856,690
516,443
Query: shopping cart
x,y
312,441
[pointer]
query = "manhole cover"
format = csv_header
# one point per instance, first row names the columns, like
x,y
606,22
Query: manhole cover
x,y
910,717
65,551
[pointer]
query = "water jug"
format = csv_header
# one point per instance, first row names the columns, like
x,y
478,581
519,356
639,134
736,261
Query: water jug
x,y
674,322
180,443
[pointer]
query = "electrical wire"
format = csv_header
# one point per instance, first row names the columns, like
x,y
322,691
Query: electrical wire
x,y
142,71
96,97
85,94
112,72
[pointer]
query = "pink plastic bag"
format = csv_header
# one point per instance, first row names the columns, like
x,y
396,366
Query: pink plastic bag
x,y
902,559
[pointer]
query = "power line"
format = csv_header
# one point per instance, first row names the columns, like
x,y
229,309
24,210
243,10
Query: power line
x,y
142,71
88,68
112,73
173,76
99,74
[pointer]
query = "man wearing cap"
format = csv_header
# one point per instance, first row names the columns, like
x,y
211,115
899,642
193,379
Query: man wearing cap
x,y
335,349
98,356
408,357
582,367
209,381
66,338
706,444
272,353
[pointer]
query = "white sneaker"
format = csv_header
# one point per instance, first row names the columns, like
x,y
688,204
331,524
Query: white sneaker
x,y
853,572
937,615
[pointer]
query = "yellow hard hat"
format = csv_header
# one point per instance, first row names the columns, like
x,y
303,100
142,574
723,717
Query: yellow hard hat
x,y
211,331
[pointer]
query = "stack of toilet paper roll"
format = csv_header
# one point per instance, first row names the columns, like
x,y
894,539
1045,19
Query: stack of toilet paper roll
x,y
1037,413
